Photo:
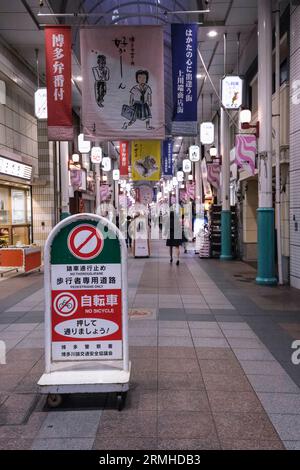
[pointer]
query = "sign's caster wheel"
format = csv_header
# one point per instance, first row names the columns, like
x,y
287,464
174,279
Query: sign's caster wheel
x,y
54,400
121,399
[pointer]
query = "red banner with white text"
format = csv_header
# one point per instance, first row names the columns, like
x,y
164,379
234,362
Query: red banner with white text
x,y
58,77
124,152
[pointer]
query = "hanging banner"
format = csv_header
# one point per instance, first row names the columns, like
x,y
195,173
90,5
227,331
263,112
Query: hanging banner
x,y
124,152
245,152
168,158
184,66
206,185
187,194
213,174
146,194
145,160
122,87
105,192
59,87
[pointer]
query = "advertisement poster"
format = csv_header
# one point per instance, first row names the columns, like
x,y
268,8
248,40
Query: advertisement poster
x,y
184,70
245,152
123,82
145,160
59,87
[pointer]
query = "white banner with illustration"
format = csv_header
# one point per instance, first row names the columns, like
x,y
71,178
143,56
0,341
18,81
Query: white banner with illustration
x,y
123,82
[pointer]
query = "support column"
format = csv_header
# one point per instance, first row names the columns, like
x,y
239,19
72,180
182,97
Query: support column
x,y
226,252
265,211
64,179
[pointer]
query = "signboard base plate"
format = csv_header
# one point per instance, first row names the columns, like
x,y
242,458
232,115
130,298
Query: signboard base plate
x,y
90,377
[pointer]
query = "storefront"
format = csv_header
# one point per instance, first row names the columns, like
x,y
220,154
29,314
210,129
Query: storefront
x,y
15,203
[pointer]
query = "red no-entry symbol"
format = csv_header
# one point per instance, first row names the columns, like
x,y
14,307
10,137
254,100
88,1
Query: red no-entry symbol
x,y
65,304
85,242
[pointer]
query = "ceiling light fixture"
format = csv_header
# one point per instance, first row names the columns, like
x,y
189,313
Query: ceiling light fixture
x,y
212,34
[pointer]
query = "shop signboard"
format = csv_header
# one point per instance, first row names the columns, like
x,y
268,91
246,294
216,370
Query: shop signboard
x,y
194,153
124,155
13,168
96,155
122,87
184,69
232,92
40,103
85,291
58,42
207,133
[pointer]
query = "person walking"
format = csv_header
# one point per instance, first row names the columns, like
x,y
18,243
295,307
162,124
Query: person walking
x,y
175,235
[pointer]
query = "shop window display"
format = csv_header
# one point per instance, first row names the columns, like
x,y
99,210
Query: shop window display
x,y
15,216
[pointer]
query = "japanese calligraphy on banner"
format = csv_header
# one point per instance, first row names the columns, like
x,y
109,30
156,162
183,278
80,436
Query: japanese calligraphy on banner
x,y
145,160
213,174
184,65
205,182
124,153
245,152
123,77
168,158
58,77
86,293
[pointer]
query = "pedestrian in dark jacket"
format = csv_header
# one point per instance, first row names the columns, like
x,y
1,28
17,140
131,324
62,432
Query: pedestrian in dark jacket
x,y
175,235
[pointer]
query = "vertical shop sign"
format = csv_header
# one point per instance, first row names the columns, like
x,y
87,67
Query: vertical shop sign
x,y
85,292
168,158
122,87
124,153
58,77
184,65
145,160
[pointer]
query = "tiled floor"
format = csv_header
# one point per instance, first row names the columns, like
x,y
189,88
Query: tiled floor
x,y
211,364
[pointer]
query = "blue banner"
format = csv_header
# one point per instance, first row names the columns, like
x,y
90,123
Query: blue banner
x,y
184,67
167,158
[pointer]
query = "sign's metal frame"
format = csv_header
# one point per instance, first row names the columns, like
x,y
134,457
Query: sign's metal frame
x,y
86,376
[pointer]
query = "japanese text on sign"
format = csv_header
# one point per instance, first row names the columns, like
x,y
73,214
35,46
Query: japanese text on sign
x,y
58,66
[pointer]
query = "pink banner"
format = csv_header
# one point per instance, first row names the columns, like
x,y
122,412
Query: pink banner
x,y
105,192
213,174
245,146
123,82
